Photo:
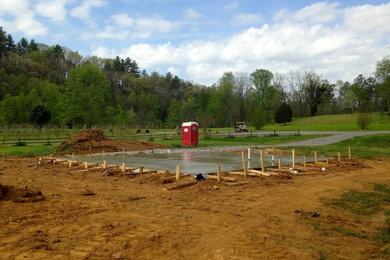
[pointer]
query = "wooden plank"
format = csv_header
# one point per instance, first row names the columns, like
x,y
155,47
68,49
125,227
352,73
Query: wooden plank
x,y
259,172
212,177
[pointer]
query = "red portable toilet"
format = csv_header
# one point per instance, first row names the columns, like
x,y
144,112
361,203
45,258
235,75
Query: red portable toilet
x,y
189,133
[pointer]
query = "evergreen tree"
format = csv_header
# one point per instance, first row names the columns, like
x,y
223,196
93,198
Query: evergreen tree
x,y
283,114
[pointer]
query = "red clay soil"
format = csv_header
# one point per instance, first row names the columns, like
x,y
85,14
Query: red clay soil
x,y
89,216
19,195
95,140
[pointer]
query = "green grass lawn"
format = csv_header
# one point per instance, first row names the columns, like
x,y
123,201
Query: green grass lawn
x,y
347,122
27,150
370,146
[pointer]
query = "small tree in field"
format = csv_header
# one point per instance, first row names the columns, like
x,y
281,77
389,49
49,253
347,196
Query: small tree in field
x,y
283,114
40,115
363,120
258,118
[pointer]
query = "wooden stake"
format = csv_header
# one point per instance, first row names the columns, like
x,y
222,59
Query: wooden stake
x,y
104,164
86,165
219,172
123,150
70,164
349,153
339,156
244,164
304,161
315,157
123,168
141,169
327,161
177,172
293,158
262,161
280,164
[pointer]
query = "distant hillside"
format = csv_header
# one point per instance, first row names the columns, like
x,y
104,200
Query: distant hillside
x,y
347,122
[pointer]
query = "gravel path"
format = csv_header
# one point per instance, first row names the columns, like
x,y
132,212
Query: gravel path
x,y
334,137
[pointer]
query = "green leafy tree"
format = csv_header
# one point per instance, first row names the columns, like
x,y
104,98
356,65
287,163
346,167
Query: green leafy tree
x,y
266,95
87,93
175,114
283,114
382,75
258,117
40,115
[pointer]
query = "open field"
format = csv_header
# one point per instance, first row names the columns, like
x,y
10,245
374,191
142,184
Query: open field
x,y
346,122
370,146
86,216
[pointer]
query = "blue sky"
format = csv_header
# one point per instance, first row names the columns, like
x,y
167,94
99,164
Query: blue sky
x,y
199,40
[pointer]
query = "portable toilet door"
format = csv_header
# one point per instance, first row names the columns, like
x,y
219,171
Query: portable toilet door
x,y
189,131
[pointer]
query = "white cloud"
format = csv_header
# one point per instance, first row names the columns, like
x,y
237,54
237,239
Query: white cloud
x,y
368,19
340,50
83,11
322,12
123,20
232,5
24,20
192,14
245,19
52,9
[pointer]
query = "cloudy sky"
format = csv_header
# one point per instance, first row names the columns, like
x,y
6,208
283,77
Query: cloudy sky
x,y
199,40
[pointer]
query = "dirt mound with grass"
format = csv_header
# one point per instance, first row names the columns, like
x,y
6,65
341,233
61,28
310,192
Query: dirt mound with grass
x,y
95,141
19,195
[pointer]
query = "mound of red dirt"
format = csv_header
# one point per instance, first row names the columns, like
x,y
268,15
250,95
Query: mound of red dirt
x,y
95,141
19,195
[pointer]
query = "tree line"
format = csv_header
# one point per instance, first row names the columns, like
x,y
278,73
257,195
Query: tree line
x,y
42,84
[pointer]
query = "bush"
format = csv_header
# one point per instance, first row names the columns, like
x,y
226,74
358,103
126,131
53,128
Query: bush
x,y
283,114
363,120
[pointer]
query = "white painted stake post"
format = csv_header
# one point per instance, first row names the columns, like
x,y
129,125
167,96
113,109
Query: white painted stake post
x,y
339,156
349,153
315,157
304,161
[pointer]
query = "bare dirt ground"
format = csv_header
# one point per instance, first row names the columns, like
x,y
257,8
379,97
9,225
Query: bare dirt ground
x,y
94,141
86,216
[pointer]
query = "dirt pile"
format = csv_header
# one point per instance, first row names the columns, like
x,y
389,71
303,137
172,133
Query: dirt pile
x,y
19,195
95,141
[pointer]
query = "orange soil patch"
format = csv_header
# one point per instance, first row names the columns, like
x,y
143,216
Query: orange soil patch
x,y
95,141
87,216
